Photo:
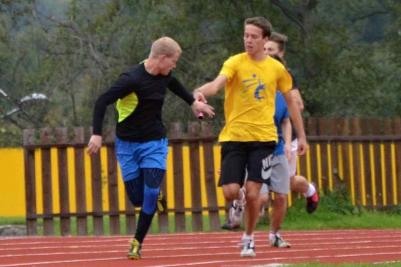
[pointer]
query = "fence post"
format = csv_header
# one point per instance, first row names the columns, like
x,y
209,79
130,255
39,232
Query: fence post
x,y
80,184
325,149
112,183
176,141
357,185
342,152
377,129
30,182
97,194
193,132
397,157
46,136
65,223
210,184
386,161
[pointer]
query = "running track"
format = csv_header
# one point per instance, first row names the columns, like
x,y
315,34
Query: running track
x,y
204,249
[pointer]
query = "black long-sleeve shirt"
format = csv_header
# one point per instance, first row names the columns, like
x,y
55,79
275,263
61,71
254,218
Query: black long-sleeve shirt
x,y
140,118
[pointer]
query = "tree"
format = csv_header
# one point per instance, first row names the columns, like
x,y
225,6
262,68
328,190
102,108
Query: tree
x,y
344,53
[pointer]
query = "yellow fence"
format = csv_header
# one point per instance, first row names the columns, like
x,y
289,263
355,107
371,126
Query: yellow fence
x,y
371,170
12,183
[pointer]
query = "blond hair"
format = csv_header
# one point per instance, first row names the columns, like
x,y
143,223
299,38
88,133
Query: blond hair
x,y
164,46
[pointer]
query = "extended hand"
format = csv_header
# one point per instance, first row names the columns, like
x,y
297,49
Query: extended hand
x,y
302,146
203,108
94,145
199,96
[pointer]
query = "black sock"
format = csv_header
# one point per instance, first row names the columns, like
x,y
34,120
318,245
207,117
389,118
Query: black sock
x,y
144,222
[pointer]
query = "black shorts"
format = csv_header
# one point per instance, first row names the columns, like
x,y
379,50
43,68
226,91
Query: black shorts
x,y
236,157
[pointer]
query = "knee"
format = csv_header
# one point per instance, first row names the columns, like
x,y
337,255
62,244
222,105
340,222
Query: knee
x,y
134,190
264,198
230,195
136,200
231,192
153,178
280,199
252,196
150,200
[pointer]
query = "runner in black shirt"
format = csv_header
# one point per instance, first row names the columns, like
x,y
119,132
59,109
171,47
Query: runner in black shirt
x,y
141,143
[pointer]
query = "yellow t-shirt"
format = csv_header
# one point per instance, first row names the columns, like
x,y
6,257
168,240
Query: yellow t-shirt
x,y
250,92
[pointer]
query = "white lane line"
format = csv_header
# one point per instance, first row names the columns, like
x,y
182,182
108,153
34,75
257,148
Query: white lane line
x,y
204,244
170,241
191,235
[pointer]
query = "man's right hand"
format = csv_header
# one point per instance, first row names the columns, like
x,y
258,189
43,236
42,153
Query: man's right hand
x,y
199,96
302,146
200,107
94,145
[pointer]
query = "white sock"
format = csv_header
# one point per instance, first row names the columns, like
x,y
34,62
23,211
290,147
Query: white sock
x,y
247,237
311,190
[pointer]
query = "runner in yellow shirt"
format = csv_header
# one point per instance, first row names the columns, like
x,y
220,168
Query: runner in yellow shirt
x,y
249,136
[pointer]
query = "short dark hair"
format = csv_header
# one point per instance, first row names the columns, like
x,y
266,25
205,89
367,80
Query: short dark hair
x,y
280,39
262,23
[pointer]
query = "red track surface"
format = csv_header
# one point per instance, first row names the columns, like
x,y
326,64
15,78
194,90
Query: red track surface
x,y
204,249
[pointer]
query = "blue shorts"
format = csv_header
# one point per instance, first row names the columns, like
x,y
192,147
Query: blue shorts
x,y
133,156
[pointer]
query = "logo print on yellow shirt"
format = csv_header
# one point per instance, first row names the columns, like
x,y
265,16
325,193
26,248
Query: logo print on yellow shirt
x,y
251,83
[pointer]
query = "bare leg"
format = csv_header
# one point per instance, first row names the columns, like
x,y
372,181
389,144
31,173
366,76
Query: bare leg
x,y
252,206
231,192
299,184
263,203
279,209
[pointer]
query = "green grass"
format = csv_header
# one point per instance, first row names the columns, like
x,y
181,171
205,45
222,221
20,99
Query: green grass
x,y
335,212
12,220
346,265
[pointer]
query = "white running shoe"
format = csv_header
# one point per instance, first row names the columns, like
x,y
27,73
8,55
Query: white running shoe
x,y
278,242
248,248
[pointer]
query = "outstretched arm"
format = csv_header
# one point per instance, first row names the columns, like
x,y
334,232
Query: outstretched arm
x,y
198,107
95,143
210,88
120,88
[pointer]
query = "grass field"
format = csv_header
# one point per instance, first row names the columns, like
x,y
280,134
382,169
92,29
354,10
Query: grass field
x,y
336,212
